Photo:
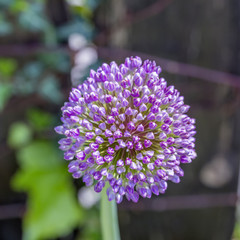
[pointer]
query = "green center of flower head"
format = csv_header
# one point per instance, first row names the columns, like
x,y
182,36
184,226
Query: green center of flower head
x,y
125,126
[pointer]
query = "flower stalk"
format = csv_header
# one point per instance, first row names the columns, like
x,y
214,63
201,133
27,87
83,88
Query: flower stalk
x,y
109,218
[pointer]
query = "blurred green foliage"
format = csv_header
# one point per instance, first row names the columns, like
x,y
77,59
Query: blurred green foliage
x,y
91,227
49,89
52,207
236,232
19,135
78,26
5,93
25,15
7,67
40,119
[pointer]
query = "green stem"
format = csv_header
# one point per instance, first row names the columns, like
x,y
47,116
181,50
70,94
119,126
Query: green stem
x,y
109,218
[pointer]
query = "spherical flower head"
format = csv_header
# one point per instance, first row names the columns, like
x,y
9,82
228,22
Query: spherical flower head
x,y
125,127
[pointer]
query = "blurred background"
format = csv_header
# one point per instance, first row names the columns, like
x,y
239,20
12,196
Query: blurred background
x,y
48,46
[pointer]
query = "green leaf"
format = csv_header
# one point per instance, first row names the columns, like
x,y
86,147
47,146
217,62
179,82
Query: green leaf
x,y
34,19
6,27
39,155
76,26
6,3
24,86
109,218
26,81
7,67
50,36
5,94
54,219
53,210
33,70
39,119
56,60
19,6
50,89
19,135
236,232
91,229
93,4
83,11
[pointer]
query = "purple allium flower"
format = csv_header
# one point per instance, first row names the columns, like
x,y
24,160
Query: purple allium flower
x,y
125,126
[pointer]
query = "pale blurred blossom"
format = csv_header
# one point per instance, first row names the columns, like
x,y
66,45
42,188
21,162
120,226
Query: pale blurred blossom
x,y
76,41
76,2
86,57
88,197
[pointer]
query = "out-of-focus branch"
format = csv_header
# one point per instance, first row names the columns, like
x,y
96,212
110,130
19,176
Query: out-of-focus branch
x,y
23,50
170,66
183,202
174,67
159,204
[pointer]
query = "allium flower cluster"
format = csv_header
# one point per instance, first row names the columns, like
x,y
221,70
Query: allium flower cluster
x,y
124,126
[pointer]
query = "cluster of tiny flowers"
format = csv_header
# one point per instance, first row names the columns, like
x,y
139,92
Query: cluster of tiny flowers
x,y
125,128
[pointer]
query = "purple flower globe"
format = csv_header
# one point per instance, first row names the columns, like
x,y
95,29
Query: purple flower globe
x,y
125,128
